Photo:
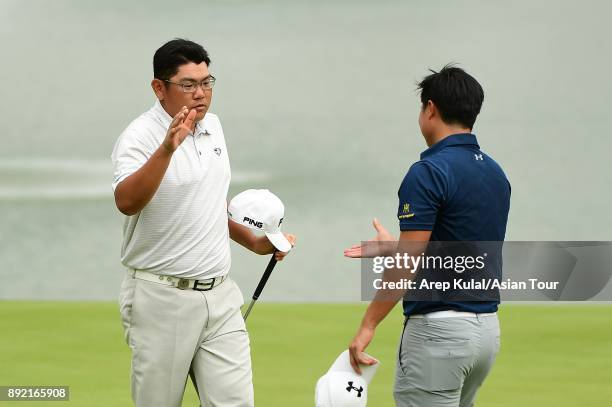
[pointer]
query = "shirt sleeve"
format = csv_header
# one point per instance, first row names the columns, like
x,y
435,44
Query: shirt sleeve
x,y
421,195
130,153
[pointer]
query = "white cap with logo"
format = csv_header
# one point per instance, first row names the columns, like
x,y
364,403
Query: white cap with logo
x,y
341,386
260,209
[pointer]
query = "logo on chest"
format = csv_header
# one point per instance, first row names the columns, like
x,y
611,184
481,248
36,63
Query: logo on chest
x,y
217,151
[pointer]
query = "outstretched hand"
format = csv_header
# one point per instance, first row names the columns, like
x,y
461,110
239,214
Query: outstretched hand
x,y
369,249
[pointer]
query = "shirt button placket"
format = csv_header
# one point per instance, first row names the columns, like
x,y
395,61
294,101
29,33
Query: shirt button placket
x,y
197,147
200,145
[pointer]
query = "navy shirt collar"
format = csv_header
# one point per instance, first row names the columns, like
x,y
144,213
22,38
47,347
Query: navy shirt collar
x,y
452,140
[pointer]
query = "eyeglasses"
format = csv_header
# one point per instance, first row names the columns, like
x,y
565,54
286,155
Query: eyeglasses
x,y
191,86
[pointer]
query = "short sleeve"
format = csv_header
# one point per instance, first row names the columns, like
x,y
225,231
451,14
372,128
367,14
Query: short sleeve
x,y
130,153
421,196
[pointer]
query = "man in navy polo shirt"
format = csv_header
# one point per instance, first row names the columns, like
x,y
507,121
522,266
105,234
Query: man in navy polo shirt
x,y
454,193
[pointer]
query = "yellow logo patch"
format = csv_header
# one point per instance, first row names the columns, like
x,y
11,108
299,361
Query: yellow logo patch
x,y
406,212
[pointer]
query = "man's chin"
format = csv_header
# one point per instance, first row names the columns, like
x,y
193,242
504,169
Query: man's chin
x,y
199,116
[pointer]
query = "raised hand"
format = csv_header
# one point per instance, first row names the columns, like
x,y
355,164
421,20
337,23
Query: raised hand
x,y
180,128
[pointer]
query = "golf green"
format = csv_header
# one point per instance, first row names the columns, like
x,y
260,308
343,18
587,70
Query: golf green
x,y
552,355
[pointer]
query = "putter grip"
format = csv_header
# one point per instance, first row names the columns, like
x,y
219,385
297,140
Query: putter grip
x,y
264,278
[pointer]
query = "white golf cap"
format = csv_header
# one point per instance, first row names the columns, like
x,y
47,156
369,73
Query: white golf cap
x,y
260,209
341,386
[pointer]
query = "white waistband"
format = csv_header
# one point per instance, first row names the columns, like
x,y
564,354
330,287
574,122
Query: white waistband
x,y
452,314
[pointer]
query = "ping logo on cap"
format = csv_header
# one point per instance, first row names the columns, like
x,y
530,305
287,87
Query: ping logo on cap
x,y
261,210
257,224
351,387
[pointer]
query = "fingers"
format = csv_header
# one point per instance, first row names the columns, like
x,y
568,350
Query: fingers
x,y
357,358
178,118
291,238
180,127
354,254
188,122
278,255
353,352
366,360
177,122
379,228
185,127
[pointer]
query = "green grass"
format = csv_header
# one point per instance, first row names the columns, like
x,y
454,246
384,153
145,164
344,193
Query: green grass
x,y
551,355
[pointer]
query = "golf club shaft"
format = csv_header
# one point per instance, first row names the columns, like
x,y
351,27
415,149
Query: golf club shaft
x,y
261,285
264,278
248,311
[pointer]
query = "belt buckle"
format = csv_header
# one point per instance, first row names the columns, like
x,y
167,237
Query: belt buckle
x,y
206,286
183,284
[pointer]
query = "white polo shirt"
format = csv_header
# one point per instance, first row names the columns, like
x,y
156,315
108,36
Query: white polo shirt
x,y
183,230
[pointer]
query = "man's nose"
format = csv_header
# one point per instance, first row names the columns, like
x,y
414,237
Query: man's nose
x,y
199,92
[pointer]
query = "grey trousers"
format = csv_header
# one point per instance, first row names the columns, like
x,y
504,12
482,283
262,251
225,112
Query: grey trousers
x,y
172,332
444,361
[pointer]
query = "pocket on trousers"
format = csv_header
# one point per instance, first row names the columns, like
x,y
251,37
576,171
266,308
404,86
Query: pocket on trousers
x,y
445,364
229,313
240,303
126,305
239,296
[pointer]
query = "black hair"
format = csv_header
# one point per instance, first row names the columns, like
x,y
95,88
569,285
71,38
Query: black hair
x,y
175,53
456,94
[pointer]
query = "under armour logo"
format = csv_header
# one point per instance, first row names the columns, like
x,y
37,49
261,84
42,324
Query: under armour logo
x,y
217,151
351,387
478,157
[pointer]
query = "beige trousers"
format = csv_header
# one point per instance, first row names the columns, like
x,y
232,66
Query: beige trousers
x,y
173,333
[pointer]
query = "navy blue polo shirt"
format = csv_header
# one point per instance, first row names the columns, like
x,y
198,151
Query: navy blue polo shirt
x,y
460,194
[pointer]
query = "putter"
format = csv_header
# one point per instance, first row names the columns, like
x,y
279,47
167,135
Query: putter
x,y
261,285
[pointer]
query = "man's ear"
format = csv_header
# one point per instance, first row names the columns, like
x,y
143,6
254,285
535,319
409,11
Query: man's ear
x,y
431,110
159,88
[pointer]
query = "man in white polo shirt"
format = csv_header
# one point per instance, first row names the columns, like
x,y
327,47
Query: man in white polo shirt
x,y
180,311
